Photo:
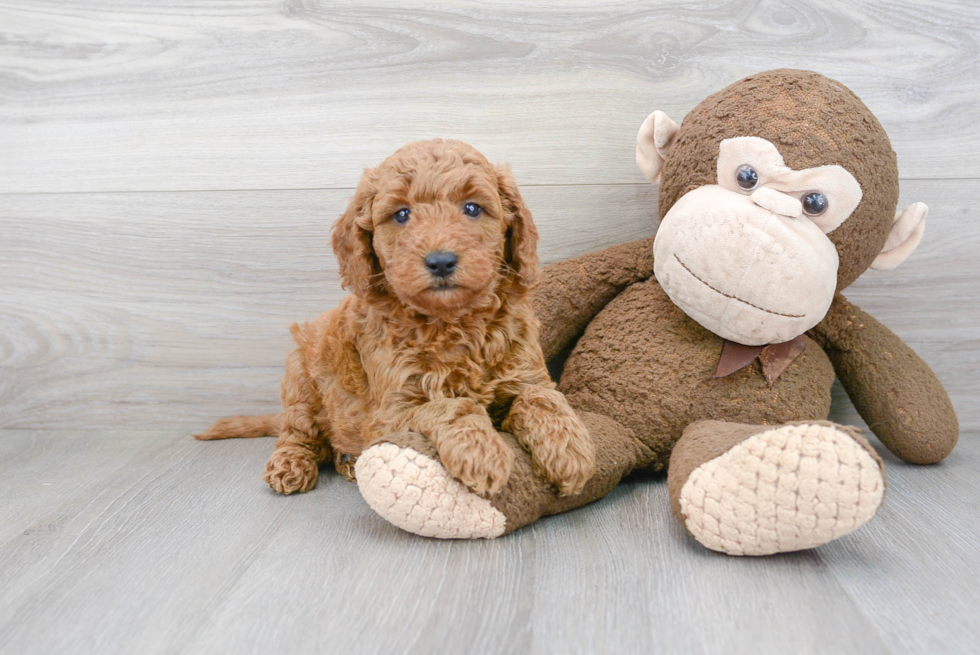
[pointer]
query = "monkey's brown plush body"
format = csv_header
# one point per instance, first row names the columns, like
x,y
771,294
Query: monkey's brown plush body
x,y
753,466
644,363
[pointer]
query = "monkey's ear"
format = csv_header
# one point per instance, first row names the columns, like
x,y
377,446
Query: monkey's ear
x,y
905,235
653,141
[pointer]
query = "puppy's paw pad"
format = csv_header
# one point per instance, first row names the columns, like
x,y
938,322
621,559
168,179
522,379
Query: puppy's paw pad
x,y
483,463
568,461
789,488
289,473
417,494
571,473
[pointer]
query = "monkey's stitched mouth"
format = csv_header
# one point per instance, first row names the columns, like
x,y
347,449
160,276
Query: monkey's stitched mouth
x,y
728,295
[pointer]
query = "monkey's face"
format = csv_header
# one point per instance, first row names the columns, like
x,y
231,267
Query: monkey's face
x,y
749,258
755,239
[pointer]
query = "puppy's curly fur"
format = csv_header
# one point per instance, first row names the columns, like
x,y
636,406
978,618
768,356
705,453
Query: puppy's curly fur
x,y
453,357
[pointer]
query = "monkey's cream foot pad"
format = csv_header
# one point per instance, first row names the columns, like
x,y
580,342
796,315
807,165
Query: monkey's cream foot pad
x,y
415,493
785,489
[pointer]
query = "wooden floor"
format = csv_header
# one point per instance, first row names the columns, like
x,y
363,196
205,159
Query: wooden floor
x,y
122,541
168,173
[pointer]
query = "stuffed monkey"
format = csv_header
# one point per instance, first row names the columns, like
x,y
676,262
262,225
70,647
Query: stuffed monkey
x,y
709,351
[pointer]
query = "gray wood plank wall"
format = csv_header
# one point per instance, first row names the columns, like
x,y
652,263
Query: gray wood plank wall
x,y
168,171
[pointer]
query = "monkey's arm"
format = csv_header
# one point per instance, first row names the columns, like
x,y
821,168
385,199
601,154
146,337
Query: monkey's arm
x,y
895,392
573,291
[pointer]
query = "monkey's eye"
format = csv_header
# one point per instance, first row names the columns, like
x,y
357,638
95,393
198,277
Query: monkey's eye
x,y
747,178
401,216
472,209
815,204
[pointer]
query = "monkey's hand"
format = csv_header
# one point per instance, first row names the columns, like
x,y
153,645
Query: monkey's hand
x,y
895,392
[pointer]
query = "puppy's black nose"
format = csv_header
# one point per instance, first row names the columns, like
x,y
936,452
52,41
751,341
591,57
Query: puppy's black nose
x,y
441,263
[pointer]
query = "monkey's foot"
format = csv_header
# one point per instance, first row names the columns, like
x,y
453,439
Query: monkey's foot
x,y
401,478
758,490
414,492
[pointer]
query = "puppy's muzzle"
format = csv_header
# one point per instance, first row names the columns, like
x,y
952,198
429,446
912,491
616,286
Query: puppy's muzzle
x,y
441,264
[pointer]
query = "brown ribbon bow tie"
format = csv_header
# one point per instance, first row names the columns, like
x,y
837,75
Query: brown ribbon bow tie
x,y
775,357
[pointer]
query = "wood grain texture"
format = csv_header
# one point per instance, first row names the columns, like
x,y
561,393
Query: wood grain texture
x,y
172,309
180,547
35,479
168,173
263,94
167,309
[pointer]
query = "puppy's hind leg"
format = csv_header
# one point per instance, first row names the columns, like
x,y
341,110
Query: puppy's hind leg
x,y
303,444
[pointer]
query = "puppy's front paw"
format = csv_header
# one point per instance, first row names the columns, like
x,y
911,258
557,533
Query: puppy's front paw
x,y
289,471
475,454
567,460
561,447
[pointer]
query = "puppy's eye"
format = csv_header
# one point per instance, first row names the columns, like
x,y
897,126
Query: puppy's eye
x,y
815,204
401,216
746,178
472,209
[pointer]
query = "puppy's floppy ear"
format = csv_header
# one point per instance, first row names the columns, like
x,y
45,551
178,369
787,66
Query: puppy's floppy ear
x,y
522,235
360,270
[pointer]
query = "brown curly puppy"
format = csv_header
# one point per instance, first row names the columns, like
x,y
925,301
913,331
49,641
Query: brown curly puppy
x,y
439,250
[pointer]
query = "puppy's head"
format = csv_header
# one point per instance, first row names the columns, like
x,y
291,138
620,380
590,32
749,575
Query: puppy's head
x,y
439,228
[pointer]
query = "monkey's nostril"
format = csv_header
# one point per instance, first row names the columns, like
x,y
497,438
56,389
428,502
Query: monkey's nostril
x,y
441,263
